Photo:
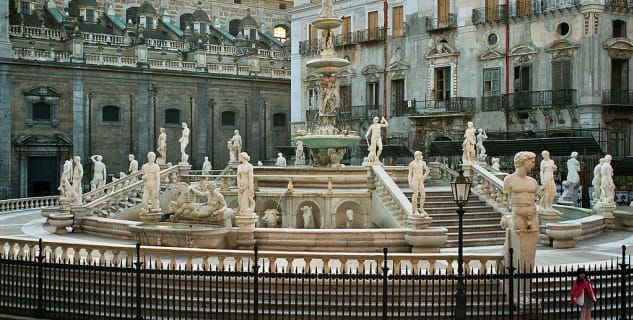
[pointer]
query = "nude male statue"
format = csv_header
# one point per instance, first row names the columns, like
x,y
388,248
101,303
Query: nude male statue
x,y
418,171
151,183
375,146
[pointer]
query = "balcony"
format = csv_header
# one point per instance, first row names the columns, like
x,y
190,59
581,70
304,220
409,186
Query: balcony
x,y
309,47
428,107
617,97
345,39
371,35
492,103
492,14
363,112
619,5
536,99
442,23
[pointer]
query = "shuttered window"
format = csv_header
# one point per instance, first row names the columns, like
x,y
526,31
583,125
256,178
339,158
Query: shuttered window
x,y
372,24
346,29
397,21
561,75
442,12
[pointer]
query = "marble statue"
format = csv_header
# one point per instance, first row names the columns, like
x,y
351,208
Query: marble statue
x,y
151,184
349,218
281,161
548,189
161,147
99,174
260,163
327,9
308,219
418,171
206,166
570,186
524,225
329,95
182,206
184,141
214,210
300,157
468,146
597,180
133,164
78,174
495,164
245,185
235,146
271,218
65,186
375,146
607,187
481,150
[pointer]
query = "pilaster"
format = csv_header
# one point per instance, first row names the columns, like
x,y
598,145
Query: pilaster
x,y
5,132
6,51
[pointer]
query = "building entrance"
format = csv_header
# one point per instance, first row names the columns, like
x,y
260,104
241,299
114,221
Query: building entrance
x,y
43,175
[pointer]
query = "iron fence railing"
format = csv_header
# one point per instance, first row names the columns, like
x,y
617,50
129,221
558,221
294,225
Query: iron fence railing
x,y
420,107
74,289
619,4
441,23
535,99
366,112
490,14
525,8
371,34
620,97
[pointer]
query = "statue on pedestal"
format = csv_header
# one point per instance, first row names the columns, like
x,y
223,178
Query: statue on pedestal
x,y
300,157
214,210
281,161
206,166
375,146
570,186
65,186
78,174
524,226
418,171
607,187
161,147
468,146
184,141
548,189
151,184
308,219
349,218
235,146
481,150
245,185
133,164
98,172
597,180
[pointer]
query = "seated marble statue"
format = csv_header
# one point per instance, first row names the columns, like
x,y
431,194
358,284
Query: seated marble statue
x,y
281,161
214,211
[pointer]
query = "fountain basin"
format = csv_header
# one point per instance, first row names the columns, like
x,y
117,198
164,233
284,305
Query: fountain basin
x,y
180,235
329,141
327,65
327,23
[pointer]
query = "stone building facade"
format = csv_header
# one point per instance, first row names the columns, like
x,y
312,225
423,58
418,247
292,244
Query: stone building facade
x,y
90,84
518,69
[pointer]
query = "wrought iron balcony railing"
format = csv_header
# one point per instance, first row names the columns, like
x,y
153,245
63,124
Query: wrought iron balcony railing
x,y
345,39
491,14
371,35
618,97
401,30
421,107
619,4
441,23
309,47
491,103
364,112
535,99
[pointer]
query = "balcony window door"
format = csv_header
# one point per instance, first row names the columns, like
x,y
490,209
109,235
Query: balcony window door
x,y
617,142
523,8
372,24
442,12
442,83
561,82
373,95
346,29
491,95
312,37
397,97
492,7
619,75
522,85
397,21
345,94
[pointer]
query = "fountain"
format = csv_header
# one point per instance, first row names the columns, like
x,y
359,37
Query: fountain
x,y
328,144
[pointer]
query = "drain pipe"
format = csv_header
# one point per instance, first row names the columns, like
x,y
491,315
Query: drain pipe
x,y
507,18
384,53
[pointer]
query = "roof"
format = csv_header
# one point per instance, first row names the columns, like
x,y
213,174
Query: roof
x,y
116,22
248,22
224,33
561,146
87,3
146,8
58,16
271,38
173,28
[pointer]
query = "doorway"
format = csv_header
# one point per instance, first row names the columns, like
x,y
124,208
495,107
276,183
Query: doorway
x,y
43,175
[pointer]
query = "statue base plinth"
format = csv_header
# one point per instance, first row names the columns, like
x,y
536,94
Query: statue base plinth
x,y
428,240
246,230
546,216
61,221
419,221
151,217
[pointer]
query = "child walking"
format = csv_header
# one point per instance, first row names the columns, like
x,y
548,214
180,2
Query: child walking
x,y
582,294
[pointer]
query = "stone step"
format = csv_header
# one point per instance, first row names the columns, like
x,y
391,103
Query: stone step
x,y
470,210
475,242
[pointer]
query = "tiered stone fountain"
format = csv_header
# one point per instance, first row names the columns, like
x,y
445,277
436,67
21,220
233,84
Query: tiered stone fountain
x,y
328,144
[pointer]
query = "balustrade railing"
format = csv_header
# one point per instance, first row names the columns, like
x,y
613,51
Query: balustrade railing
x,y
111,187
41,55
618,4
104,39
618,97
535,99
28,203
169,45
35,32
391,196
441,23
490,186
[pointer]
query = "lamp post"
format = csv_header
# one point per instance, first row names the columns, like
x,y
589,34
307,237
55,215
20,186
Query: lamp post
x,y
461,189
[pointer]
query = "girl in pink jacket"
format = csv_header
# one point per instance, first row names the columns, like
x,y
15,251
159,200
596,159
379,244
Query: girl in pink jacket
x,y
582,294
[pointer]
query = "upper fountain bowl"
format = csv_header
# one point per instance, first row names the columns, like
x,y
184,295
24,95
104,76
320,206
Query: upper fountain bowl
x,y
327,23
327,65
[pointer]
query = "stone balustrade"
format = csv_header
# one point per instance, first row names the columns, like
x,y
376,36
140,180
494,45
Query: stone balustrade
x,y
489,186
105,39
35,32
242,260
111,187
28,203
391,195
169,45
41,55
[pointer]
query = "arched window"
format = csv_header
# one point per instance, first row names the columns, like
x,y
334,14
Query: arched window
x,y
234,26
172,116
279,120
41,111
185,21
228,118
111,114
131,15
281,33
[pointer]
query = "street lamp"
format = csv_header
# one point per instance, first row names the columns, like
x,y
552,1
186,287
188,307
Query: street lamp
x,y
461,189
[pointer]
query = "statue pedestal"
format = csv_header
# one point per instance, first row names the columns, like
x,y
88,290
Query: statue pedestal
x,y
606,210
61,221
417,221
523,244
151,217
79,212
546,216
246,230
428,240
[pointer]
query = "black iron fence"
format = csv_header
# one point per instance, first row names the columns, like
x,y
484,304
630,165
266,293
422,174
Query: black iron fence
x,y
617,97
535,99
421,107
64,290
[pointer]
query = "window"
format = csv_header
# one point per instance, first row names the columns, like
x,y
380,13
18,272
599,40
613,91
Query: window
x,y
619,29
523,8
25,8
282,6
346,29
397,21
493,39
373,94
41,111
279,120
313,98
149,22
561,82
280,33
131,15
234,27
522,78
491,82
492,8
397,97
563,29
203,28
312,37
110,114
90,15
619,75
442,83
372,25
185,21
237,1
443,12
617,142
228,118
172,116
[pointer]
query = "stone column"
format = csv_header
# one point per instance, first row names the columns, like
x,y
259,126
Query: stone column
x,y
78,116
5,129
6,50
143,125
200,133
